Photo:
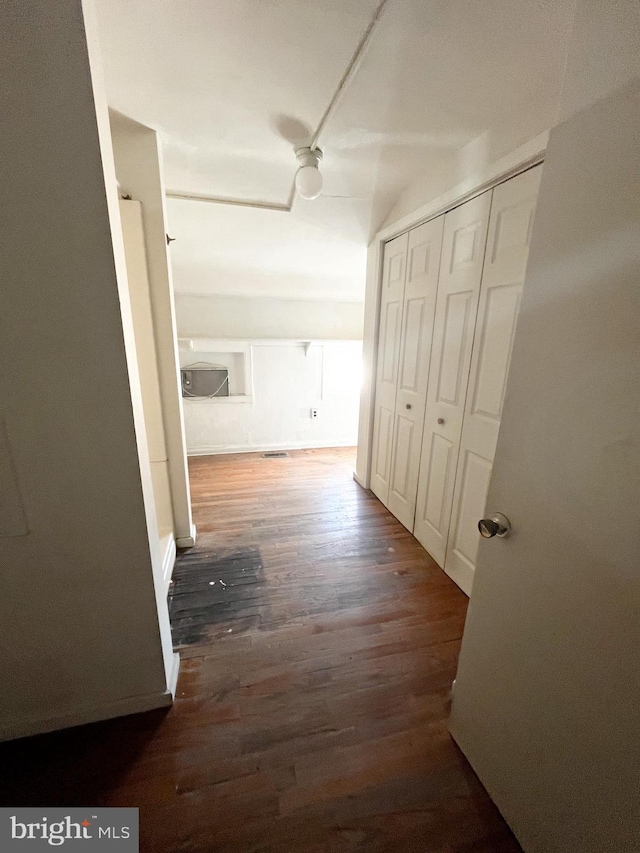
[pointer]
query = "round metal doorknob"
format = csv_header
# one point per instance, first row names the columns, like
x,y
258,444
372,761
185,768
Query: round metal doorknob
x,y
440,421
407,405
496,525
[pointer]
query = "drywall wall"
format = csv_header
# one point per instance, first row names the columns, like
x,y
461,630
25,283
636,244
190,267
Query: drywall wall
x,y
470,164
246,318
288,380
139,170
615,26
234,250
84,630
604,52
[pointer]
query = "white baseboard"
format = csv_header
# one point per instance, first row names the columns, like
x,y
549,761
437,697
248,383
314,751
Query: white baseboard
x,y
187,541
173,678
217,450
360,481
168,561
120,708
463,576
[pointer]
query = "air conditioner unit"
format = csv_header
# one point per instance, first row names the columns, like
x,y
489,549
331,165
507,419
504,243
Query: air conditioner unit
x,y
205,382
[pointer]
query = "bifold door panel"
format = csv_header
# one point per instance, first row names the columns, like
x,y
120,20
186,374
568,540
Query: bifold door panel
x,y
512,211
391,306
465,234
450,297
423,264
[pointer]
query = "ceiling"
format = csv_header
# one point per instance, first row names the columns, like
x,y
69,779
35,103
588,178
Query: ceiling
x,y
233,86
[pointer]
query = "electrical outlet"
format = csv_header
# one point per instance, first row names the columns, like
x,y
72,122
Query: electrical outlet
x,y
314,413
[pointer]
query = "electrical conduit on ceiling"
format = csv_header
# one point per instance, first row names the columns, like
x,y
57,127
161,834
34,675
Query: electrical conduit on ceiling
x,y
349,73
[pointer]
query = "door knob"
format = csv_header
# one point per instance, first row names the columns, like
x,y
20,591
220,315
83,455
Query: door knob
x,y
440,421
496,525
407,405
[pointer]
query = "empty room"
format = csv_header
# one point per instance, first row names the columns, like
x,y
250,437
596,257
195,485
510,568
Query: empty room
x,y
319,434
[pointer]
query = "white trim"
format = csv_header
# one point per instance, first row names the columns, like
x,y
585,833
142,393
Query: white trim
x,y
216,450
271,296
358,480
187,541
214,199
173,677
120,708
350,71
462,575
369,350
247,363
233,398
168,561
525,157
199,344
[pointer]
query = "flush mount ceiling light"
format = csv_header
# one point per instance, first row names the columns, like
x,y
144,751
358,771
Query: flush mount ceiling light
x,y
308,176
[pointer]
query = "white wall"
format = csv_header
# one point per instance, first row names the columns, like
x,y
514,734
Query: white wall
x,y
471,163
288,381
315,252
604,52
245,318
614,26
84,630
139,169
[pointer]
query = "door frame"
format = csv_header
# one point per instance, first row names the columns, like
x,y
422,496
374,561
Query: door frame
x,y
521,160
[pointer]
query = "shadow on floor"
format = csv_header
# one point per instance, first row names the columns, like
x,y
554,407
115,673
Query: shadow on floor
x,y
74,767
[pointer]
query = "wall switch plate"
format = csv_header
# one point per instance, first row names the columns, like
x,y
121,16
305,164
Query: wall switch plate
x,y
314,413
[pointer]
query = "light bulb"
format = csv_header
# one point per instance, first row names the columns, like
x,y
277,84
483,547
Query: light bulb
x,y
309,182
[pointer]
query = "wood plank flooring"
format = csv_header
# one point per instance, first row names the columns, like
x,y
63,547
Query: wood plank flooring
x,y
319,642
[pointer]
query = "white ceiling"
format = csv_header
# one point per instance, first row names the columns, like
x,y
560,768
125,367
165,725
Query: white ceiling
x,y
233,86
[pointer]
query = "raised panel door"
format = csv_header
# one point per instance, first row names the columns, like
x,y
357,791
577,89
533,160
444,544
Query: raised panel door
x,y
512,212
391,305
465,234
423,263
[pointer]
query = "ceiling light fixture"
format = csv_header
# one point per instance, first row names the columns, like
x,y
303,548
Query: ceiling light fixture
x,y
308,176
308,181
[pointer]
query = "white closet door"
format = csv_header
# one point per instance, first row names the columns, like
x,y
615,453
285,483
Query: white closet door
x,y
465,235
423,263
391,301
512,211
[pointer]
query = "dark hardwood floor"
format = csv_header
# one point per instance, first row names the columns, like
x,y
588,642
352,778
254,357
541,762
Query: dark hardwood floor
x,y
319,642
